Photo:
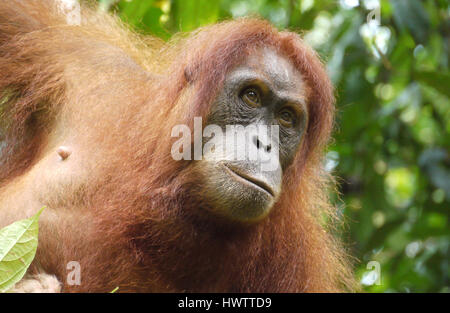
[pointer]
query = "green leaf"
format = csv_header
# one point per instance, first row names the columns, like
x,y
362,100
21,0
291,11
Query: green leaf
x,y
18,244
190,14
133,12
439,81
411,15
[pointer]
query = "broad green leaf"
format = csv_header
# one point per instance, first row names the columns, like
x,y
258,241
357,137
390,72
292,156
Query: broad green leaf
x,y
411,15
439,81
133,12
18,244
190,14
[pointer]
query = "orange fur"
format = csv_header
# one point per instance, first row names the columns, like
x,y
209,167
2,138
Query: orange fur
x,y
119,205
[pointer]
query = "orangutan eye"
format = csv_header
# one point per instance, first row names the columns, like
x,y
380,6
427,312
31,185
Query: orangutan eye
x,y
251,97
286,118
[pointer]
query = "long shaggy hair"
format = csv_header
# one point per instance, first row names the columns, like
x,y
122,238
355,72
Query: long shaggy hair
x,y
129,213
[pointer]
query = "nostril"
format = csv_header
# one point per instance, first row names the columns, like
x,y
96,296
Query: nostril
x,y
260,145
256,142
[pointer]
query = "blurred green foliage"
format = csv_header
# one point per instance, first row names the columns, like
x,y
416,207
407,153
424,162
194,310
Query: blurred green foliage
x,y
391,148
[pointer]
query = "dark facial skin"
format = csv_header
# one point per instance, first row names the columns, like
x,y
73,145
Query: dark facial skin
x,y
264,90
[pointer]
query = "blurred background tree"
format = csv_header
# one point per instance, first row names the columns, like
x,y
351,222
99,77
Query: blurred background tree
x,y
389,63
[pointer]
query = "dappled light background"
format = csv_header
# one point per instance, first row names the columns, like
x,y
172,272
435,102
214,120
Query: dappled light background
x,y
389,63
